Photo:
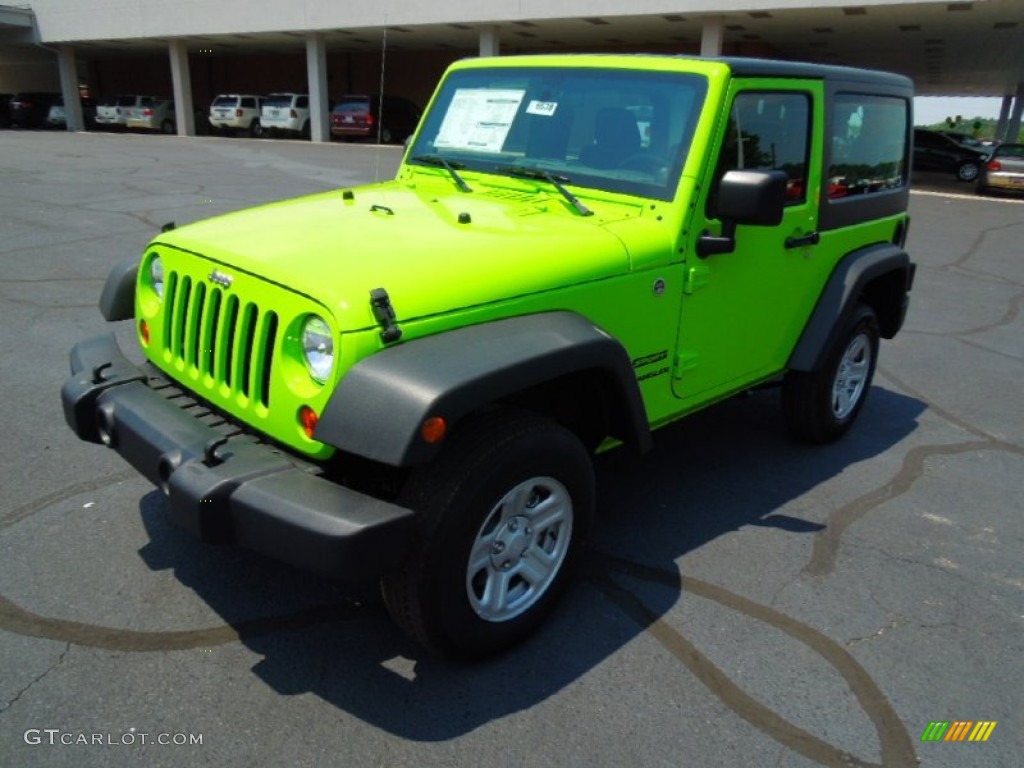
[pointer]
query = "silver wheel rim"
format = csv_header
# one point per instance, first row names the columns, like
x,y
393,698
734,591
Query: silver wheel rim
x,y
519,550
852,376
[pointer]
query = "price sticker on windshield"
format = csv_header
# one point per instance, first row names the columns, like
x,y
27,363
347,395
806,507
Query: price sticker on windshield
x,y
542,108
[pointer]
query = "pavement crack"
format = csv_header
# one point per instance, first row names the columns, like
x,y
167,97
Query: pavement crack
x,y
951,417
975,247
826,542
895,623
29,509
895,744
1011,314
38,678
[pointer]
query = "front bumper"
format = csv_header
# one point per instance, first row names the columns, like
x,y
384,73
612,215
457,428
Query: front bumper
x,y
229,489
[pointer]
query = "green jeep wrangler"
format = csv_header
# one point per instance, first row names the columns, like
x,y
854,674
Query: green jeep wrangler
x,y
407,381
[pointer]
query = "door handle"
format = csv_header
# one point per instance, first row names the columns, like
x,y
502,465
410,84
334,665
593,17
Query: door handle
x,y
813,238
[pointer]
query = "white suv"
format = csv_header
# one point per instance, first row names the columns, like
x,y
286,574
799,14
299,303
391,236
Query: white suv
x,y
233,112
286,112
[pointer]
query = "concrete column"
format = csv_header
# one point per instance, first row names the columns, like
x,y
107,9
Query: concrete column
x,y
711,36
490,42
182,84
1013,127
69,88
1004,117
316,72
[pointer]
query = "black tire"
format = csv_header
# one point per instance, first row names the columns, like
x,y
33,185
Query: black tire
x,y
821,406
305,132
167,127
256,128
968,170
499,475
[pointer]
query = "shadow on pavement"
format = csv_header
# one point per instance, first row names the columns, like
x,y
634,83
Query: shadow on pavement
x,y
716,472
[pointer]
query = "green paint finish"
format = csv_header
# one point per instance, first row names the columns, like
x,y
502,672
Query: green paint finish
x,y
624,254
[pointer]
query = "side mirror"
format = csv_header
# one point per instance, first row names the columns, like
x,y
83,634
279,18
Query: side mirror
x,y
757,198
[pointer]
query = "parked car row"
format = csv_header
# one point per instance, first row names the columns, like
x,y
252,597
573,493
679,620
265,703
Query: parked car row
x,y
387,120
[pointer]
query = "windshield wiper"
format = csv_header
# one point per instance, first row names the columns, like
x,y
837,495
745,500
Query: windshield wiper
x,y
556,181
450,167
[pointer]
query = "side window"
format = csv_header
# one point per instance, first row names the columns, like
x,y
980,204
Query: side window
x,y
869,144
249,103
769,130
302,102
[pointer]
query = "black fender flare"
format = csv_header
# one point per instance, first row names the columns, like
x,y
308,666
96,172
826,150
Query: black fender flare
x,y
379,406
117,302
838,299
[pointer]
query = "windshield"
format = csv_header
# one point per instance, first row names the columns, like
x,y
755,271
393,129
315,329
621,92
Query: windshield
x,y
614,130
225,101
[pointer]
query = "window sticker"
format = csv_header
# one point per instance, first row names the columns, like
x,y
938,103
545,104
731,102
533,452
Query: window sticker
x,y
479,119
542,108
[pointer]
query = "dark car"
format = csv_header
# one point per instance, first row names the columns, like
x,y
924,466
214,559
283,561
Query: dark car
x,y
364,117
934,151
971,141
5,100
1004,171
30,110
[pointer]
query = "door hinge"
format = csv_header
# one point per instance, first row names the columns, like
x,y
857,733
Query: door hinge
x,y
683,362
697,276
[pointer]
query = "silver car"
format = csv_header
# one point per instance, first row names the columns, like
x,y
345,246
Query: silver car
x,y
1004,171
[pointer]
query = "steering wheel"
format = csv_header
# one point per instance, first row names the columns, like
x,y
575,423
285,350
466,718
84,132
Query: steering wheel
x,y
645,162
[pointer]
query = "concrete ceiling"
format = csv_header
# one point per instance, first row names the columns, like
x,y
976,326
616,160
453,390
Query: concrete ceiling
x,y
948,48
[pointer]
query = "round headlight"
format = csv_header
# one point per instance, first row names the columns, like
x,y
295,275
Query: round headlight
x,y
318,348
156,276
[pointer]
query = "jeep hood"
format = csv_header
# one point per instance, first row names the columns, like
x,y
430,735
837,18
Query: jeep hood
x,y
433,252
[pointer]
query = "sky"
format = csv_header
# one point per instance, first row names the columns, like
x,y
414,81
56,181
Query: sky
x,y
934,109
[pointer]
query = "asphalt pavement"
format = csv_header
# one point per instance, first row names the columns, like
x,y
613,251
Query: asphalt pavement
x,y
748,601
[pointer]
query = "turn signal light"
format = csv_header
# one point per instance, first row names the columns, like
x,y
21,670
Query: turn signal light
x,y
308,420
433,429
144,332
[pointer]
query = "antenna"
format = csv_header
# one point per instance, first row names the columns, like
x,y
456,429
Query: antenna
x,y
380,104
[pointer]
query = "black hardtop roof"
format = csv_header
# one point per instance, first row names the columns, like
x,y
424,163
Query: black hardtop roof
x,y
753,67
800,69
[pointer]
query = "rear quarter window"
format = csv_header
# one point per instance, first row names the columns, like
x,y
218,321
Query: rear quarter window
x,y
869,145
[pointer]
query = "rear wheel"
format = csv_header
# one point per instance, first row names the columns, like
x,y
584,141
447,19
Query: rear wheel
x,y
968,170
255,128
505,510
167,127
821,406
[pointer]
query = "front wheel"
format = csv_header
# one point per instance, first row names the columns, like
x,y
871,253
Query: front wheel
x,y
821,406
505,510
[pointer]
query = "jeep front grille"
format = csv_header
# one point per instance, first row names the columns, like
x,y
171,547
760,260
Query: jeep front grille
x,y
224,338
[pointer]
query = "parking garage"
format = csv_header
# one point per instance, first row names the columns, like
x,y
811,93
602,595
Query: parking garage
x,y
328,50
